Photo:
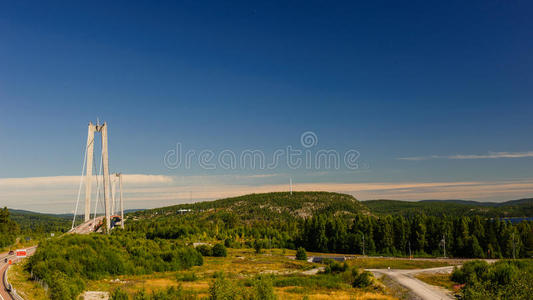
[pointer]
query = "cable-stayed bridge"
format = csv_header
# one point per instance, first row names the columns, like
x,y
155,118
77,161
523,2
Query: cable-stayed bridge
x,y
106,188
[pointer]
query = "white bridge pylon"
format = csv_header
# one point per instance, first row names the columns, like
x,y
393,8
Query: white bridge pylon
x,y
108,183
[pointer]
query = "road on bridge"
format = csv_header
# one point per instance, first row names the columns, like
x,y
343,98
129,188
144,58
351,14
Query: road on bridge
x,y
87,227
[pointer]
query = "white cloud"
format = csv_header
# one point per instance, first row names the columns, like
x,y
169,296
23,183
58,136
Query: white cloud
x,y
58,194
75,180
490,155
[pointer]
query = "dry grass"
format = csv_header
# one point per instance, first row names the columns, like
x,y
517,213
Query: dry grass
x,y
21,281
337,295
398,263
239,265
443,280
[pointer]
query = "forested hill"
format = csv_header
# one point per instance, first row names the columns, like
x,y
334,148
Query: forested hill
x,y
280,205
8,228
40,223
513,208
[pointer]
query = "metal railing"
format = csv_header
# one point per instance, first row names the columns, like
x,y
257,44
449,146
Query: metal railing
x,y
10,289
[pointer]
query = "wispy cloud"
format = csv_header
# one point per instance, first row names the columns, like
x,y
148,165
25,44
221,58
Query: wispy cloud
x,y
58,181
58,193
490,155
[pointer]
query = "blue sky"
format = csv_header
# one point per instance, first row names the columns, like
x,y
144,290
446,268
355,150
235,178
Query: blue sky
x,y
430,81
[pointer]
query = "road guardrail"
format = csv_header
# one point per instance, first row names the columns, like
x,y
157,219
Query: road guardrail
x,y
10,289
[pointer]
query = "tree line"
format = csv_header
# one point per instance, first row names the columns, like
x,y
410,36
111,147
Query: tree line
x,y
8,228
418,235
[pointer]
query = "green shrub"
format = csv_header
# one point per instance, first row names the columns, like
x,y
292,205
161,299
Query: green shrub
x,y
301,254
119,294
188,276
333,267
219,250
205,250
362,279
471,270
502,280
263,289
222,289
258,245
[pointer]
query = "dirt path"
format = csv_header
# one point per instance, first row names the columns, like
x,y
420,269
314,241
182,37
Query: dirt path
x,y
419,289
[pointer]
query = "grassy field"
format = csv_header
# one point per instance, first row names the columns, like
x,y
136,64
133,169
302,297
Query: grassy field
x,y
399,263
240,266
442,280
291,278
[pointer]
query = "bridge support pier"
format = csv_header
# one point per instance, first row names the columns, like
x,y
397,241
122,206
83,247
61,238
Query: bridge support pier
x,y
105,165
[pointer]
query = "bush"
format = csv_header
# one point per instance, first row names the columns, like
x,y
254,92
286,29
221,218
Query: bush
x,y
119,294
258,245
189,276
219,250
205,250
501,280
362,279
335,267
471,270
168,294
263,289
222,289
301,254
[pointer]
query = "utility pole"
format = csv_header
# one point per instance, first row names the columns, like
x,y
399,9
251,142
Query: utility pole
x,y
514,247
444,241
363,244
410,250
290,183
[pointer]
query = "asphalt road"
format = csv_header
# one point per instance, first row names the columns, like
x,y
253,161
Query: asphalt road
x,y
4,295
87,227
421,289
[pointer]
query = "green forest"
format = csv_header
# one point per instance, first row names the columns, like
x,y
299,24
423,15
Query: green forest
x,y
342,225
36,223
8,228
160,240
507,209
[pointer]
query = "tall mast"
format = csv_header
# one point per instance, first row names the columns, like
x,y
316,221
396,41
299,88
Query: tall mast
x,y
89,174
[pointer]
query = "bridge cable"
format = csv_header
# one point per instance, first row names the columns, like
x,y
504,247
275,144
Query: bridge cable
x,y
81,183
98,186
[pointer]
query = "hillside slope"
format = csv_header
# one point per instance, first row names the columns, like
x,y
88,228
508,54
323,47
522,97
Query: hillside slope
x,y
38,222
513,208
268,206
